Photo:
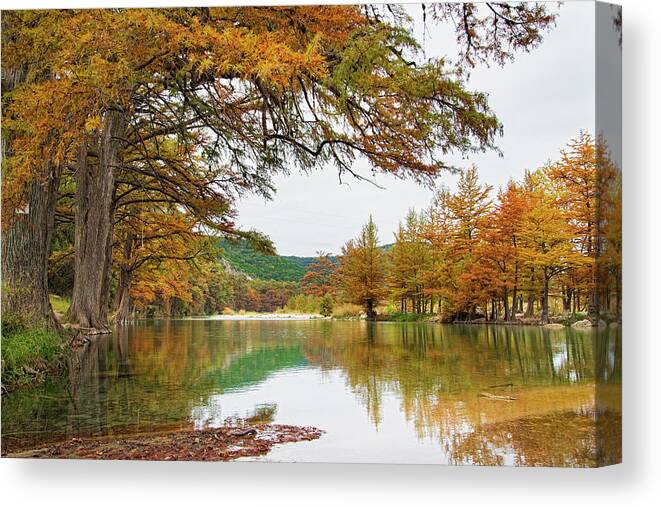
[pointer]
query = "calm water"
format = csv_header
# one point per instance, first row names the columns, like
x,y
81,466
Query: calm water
x,y
383,392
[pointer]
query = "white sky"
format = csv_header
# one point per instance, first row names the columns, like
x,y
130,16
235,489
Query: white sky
x,y
543,98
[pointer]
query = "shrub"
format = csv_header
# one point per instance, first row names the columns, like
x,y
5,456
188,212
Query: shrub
x,y
326,305
303,303
567,319
347,310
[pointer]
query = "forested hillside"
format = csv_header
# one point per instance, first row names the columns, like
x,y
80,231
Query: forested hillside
x,y
286,268
264,267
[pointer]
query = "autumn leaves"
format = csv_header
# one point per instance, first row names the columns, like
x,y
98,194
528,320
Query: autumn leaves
x,y
551,241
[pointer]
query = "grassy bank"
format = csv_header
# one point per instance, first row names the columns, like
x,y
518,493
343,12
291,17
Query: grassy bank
x,y
29,353
404,317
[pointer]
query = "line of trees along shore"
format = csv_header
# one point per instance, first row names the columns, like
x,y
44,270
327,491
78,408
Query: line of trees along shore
x,y
554,235
549,244
134,131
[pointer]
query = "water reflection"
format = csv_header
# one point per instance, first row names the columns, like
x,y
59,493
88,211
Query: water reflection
x,y
420,385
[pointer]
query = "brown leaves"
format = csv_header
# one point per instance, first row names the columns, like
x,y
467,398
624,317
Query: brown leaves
x,y
221,444
320,276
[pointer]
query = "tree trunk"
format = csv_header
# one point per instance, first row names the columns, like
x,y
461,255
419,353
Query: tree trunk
x,y
506,304
95,185
26,246
27,233
167,307
530,306
123,297
369,310
545,302
618,295
515,304
122,303
566,299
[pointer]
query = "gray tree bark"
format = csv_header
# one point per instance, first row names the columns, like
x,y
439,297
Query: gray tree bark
x,y
95,186
122,303
26,246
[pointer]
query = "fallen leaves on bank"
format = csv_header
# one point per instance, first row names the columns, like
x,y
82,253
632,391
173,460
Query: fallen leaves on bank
x,y
221,444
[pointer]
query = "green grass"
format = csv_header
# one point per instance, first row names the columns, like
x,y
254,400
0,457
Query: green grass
x,y
60,305
28,354
404,317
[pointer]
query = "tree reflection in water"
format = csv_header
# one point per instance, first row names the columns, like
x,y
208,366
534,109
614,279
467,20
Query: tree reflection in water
x,y
152,375
440,373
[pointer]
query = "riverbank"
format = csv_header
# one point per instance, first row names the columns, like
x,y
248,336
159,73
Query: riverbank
x,y
30,354
556,322
265,316
577,321
221,444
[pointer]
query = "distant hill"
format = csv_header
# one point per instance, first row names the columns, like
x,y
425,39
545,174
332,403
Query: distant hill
x,y
286,268
303,262
265,267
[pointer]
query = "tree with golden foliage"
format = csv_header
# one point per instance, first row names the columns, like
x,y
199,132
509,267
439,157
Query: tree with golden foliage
x,y
555,236
502,248
469,208
440,278
158,244
576,175
548,238
408,261
361,273
318,280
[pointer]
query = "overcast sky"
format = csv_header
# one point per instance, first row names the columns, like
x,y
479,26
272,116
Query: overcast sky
x,y
543,99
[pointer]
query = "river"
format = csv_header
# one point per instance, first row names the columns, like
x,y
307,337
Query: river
x,y
382,392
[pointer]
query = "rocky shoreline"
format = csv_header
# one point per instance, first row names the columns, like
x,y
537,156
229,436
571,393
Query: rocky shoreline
x,y
584,324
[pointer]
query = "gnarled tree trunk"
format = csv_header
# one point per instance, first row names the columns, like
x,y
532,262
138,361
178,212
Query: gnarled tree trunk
x,y
95,187
26,246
